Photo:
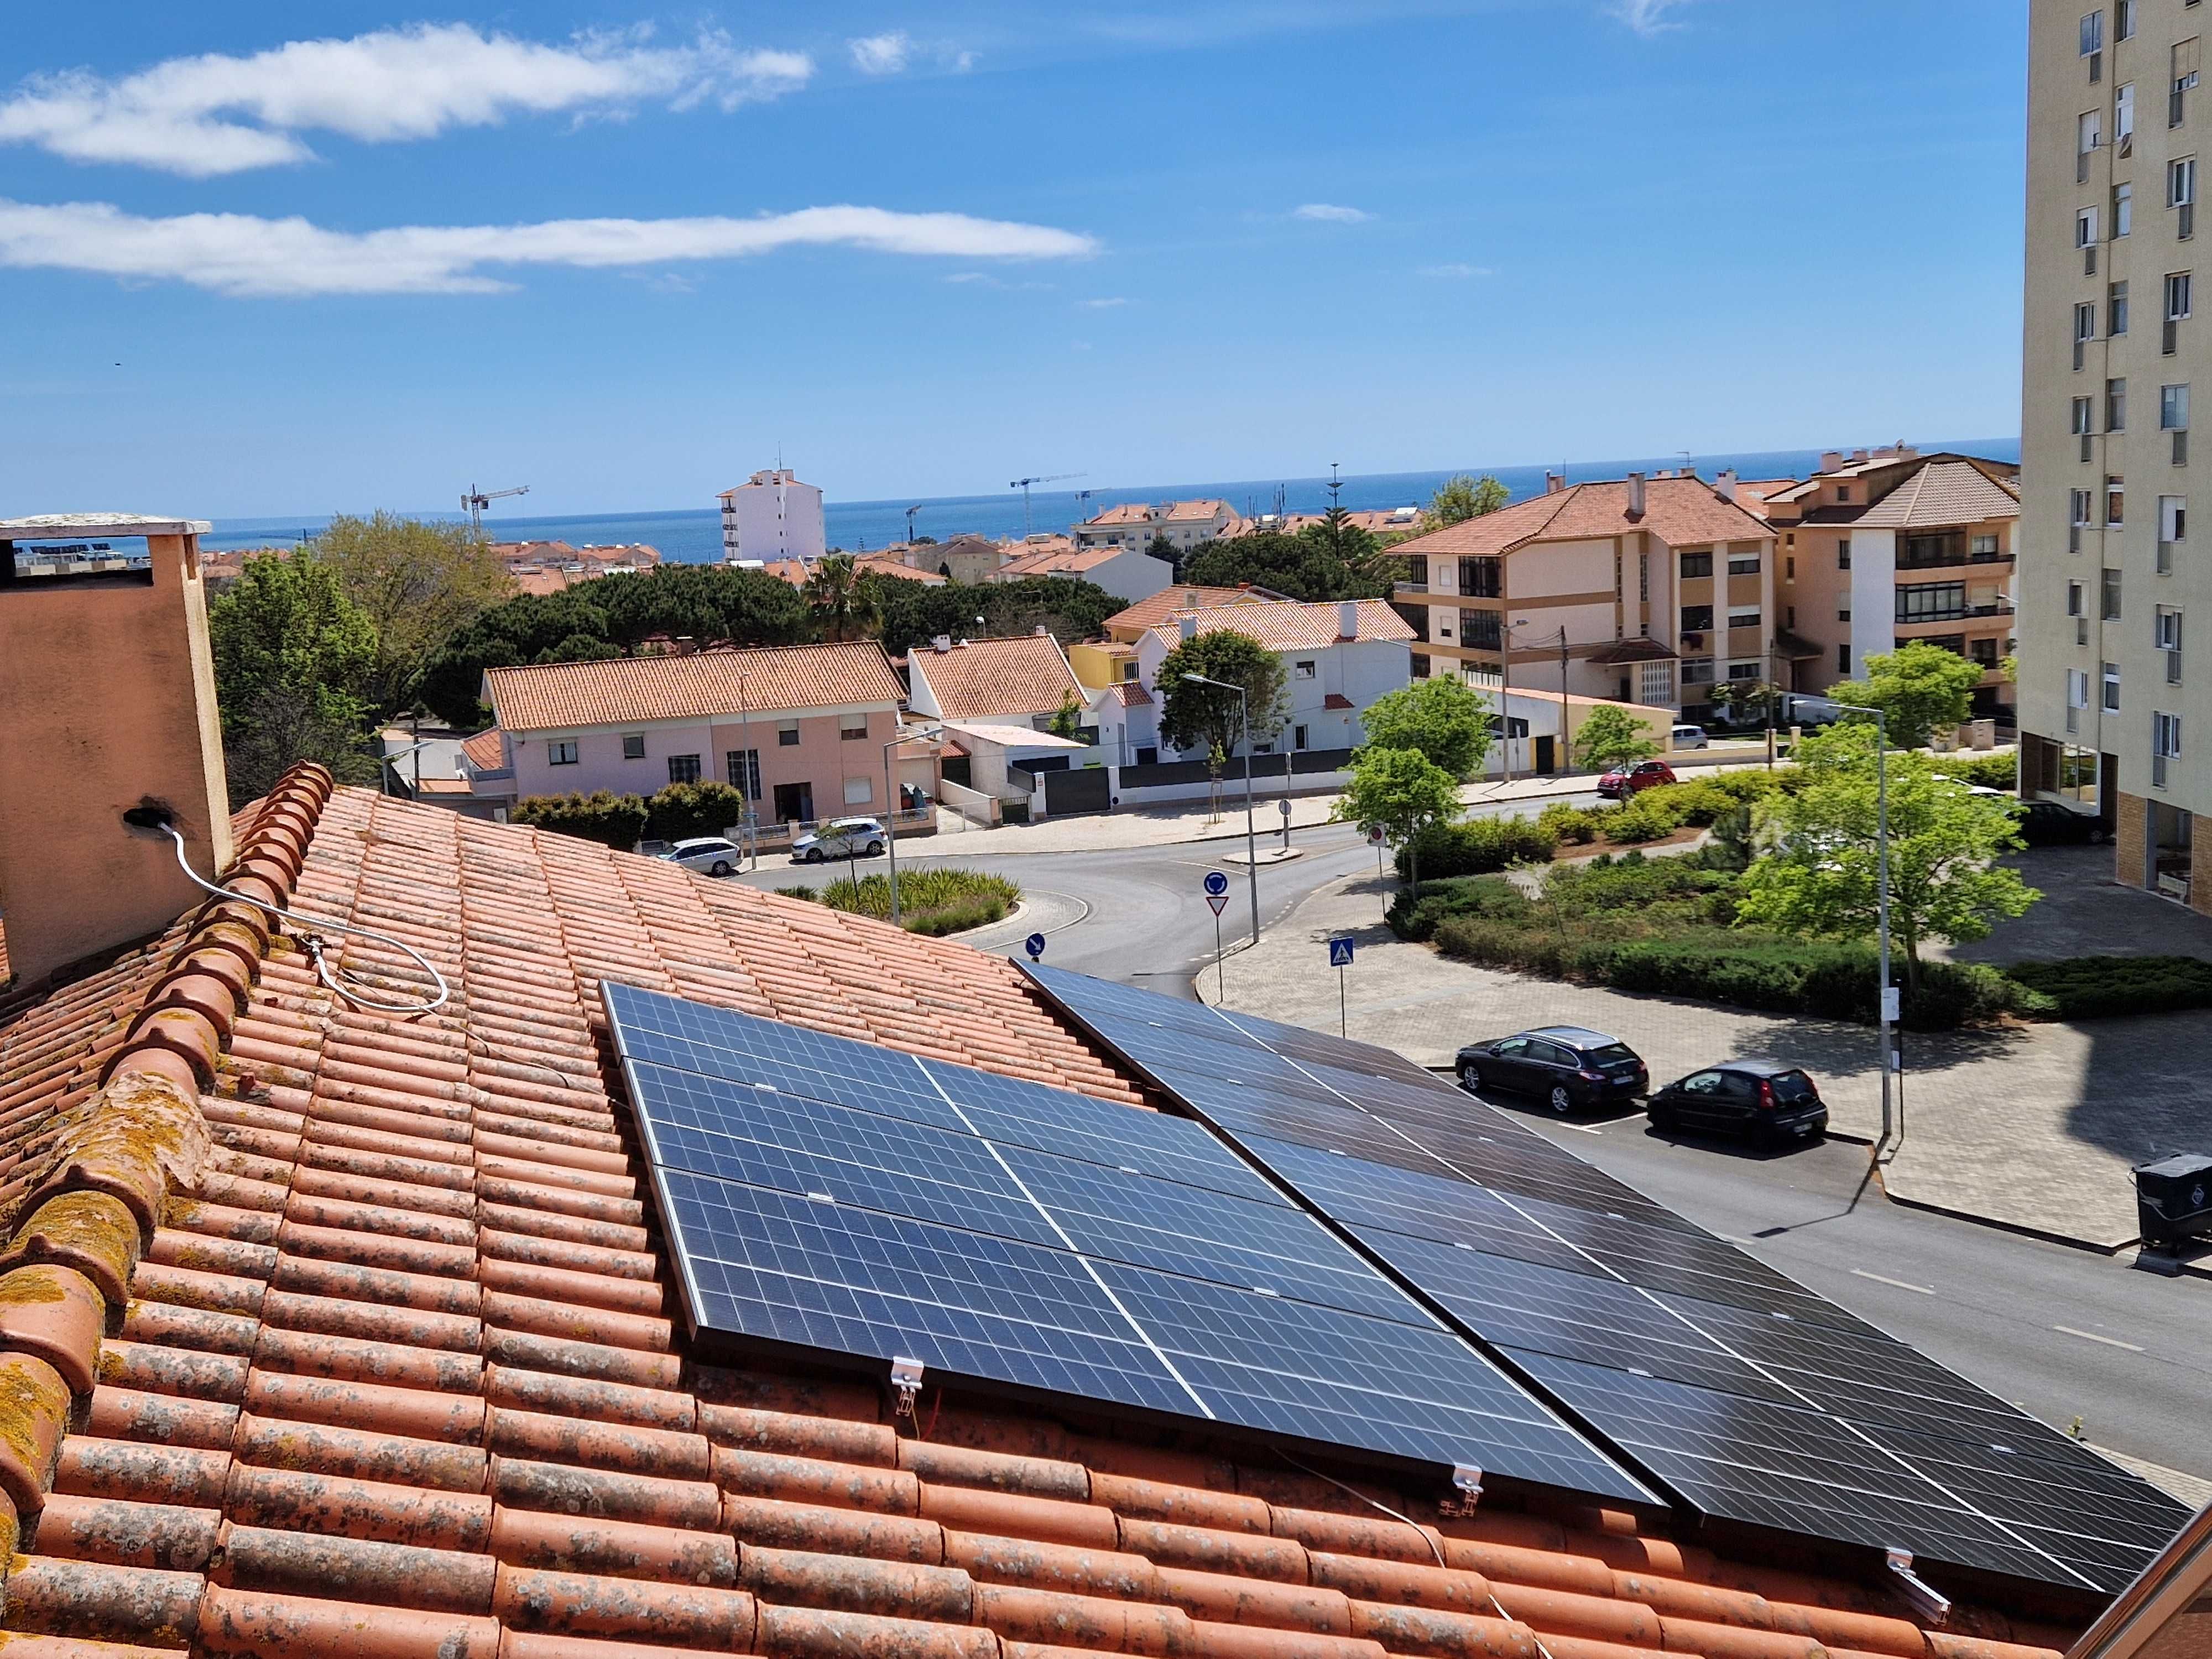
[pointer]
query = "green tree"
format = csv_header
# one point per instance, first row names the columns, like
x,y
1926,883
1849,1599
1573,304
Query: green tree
x,y
842,606
1920,687
915,613
1305,566
1611,735
1441,717
1746,702
293,658
1201,717
1818,877
1161,548
1402,791
1461,497
417,583
1067,718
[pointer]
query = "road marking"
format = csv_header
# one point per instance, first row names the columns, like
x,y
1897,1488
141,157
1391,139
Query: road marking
x,y
1581,1129
2091,1336
1882,1278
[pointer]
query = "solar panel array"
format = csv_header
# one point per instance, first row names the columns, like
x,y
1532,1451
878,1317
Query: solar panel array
x,y
834,1196
1748,1397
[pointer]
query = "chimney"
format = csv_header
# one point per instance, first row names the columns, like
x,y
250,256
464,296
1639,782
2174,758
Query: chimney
x,y
1038,630
1635,495
1554,483
1188,624
1858,455
1831,460
1348,619
1724,486
109,686
941,644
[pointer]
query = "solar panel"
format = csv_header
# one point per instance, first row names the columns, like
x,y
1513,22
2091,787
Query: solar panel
x,y
1747,1396
830,1196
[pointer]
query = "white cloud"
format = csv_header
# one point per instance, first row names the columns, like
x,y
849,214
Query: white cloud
x,y
1456,271
237,254
216,114
881,54
1647,17
1331,214
1102,305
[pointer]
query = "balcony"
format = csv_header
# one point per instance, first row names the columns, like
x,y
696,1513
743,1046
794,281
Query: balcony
x,y
1419,591
1950,560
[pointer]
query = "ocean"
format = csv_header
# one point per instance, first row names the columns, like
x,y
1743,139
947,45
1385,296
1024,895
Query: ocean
x,y
695,534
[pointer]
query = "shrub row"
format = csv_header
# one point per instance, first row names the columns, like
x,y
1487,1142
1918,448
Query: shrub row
x,y
676,813
2088,988
1480,846
1991,771
933,902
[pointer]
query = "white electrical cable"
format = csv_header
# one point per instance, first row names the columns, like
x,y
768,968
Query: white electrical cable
x,y
315,945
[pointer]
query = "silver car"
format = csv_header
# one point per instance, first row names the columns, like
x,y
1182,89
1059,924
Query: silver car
x,y
710,854
840,838
1689,737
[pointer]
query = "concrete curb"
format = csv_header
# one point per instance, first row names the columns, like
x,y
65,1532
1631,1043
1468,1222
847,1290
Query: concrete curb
x,y
2019,1229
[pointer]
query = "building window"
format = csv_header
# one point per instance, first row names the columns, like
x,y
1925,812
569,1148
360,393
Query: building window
x,y
1985,545
1744,564
858,791
1789,616
853,728
1985,654
1128,671
2178,297
2116,309
2108,594
2182,73
2077,509
562,751
1656,683
2085,227
1843,659
2112,688
2165,745
1843,554
1697,673
1298,736
1744,618
1844,494
1697,564
2074,596
1931,602
633,746
1482,578
2116,497
1303,670
2181,193
2123,210
2124,20
1416,570
1743,670
2088,135
1482,630
787,734
683,768
2172,527
1790,569
743,771
2116,405
2083,418
1421,666
1697,618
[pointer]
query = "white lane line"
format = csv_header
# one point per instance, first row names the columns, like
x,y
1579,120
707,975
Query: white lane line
x,y
1883,1278
1579,1129
2091,1336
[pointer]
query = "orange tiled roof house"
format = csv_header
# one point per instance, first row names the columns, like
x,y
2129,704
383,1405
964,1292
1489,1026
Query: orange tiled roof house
x,y
334,1332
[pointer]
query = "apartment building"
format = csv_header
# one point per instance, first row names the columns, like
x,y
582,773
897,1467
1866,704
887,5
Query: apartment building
x,y
1645,590
1181,524
1889,547
2117,121
772,515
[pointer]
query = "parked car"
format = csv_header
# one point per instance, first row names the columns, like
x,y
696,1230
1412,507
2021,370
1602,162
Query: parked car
x,y
1768,1101
840,838
2053,824
1689,737
711,854
1624,781
1569,1067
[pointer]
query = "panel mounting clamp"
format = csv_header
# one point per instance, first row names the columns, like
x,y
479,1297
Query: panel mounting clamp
x,y
1924,1599
906,1377
1466,1486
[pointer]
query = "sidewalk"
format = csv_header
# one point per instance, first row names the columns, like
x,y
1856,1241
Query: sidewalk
x,y
1168,826
2032,1128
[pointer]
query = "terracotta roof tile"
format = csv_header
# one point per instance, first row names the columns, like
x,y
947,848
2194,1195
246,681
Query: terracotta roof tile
x,y
1147,612
1289,625
1680,512
485,751
397,1377
1943,493
557,696
1025,674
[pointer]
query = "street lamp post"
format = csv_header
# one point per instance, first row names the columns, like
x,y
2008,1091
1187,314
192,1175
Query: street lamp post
x,y
1885,996
1251,835
890,794
746,768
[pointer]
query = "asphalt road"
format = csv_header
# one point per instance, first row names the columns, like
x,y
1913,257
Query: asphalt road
x,y
2065,1334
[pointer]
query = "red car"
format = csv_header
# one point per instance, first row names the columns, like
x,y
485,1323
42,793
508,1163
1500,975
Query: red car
x,y
1624,781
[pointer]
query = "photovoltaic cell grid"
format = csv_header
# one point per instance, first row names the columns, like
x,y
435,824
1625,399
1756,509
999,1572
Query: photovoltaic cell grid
x,y
834,1195
1754,1400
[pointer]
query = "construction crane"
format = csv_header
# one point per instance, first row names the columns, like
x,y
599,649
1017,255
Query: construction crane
x,y
1023,484
910,512
476,499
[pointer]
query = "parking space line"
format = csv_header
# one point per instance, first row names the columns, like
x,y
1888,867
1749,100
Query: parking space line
x,y
1883,1278
2091,1336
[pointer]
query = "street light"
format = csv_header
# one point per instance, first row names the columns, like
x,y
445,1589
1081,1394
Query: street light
x,y
1251,836
891,793
748,769
1881,901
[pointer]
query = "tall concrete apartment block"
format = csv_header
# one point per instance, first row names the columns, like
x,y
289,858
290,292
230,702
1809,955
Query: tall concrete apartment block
x,y
772,516
2111,698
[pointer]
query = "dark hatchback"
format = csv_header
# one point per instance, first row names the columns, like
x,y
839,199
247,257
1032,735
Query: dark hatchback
x,y
1567,1067
1768,1101
2048,824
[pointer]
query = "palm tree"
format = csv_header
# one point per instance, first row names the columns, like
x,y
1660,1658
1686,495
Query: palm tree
x,y
841,607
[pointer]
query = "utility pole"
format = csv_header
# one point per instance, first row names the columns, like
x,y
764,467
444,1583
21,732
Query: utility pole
x,y
1251,833
1889,1009
1566,724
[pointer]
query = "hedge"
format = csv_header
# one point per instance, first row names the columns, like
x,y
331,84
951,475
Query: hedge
x,y
683,811
932,901
2090,988
1478,847
613,820
1991,771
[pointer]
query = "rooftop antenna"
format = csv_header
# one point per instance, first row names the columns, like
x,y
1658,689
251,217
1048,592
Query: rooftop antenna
x,y
910,512
1023,484
476,500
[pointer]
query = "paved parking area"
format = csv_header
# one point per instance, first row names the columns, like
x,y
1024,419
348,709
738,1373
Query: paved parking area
x,y
2034,1126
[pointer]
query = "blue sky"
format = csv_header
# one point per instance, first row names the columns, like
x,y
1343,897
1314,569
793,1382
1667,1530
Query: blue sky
x,y
250,264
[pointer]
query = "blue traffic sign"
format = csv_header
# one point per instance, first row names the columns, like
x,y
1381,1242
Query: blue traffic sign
x,y
1339,953
1035,945
1215,883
